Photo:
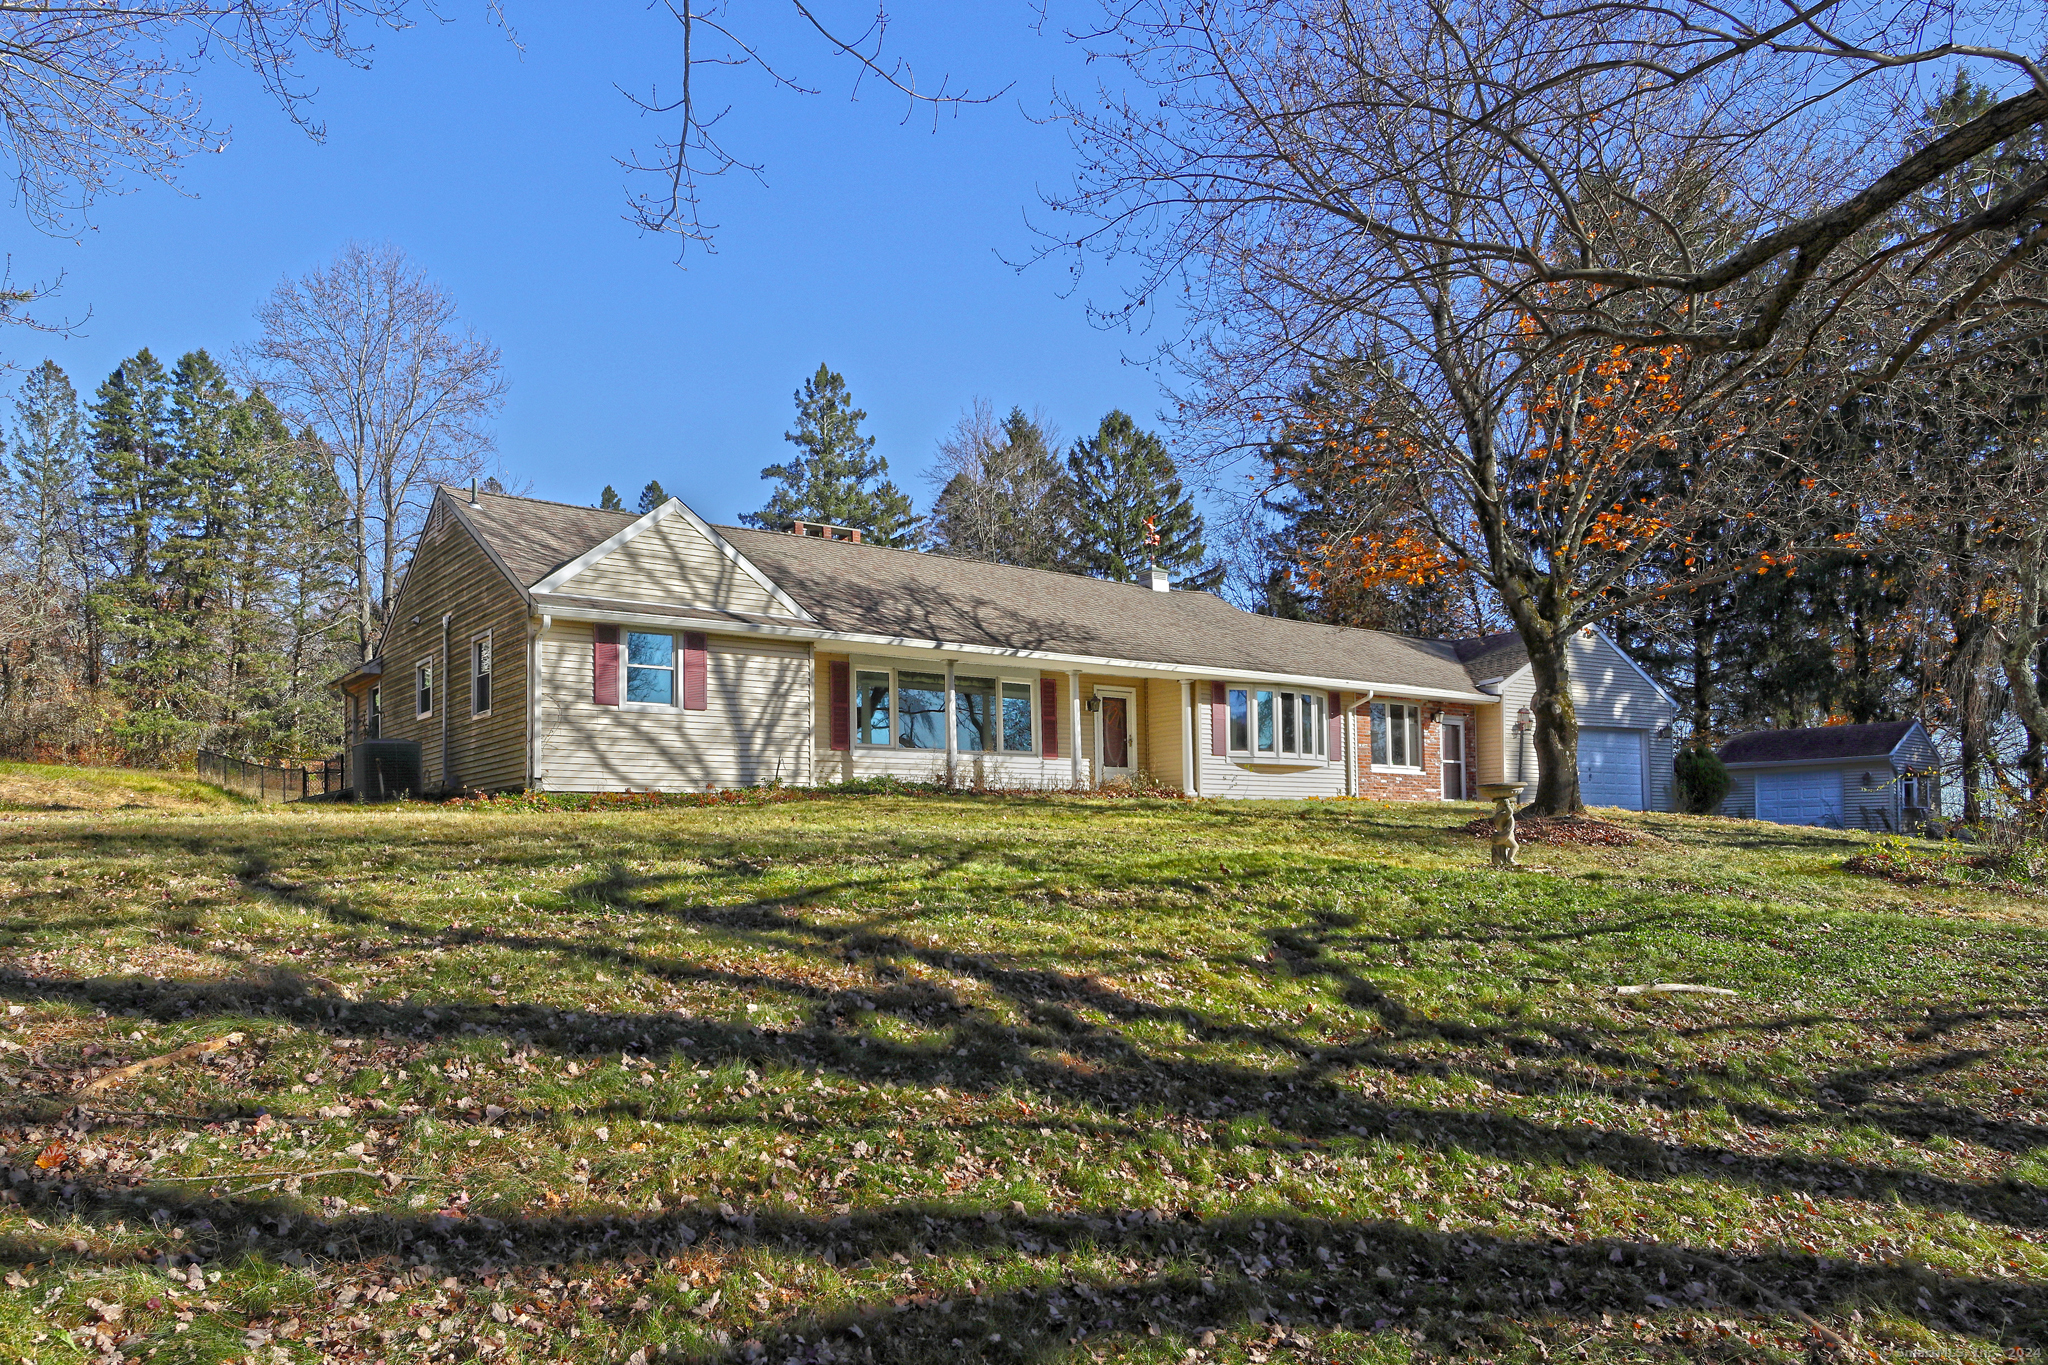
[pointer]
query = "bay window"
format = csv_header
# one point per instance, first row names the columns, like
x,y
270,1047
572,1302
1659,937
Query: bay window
x,y
1396,735
1277,725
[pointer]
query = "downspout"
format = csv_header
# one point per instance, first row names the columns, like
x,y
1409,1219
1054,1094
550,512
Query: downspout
x,y
446,700
1187,738
535,744
952,731
1074,724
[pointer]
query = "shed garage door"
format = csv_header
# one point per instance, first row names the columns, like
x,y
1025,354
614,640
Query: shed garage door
x,y
1808,798
1611,768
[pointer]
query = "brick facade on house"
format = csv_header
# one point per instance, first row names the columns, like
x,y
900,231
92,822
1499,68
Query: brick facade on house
x,y
1427,785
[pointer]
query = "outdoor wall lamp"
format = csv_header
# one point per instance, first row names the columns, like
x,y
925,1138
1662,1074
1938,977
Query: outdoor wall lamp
x,y
1094,705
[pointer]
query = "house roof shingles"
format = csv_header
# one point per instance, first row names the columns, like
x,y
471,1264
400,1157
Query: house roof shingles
x,y
1816,744
866,590
869,590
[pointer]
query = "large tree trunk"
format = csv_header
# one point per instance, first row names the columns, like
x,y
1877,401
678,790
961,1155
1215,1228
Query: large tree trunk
x,y
1557,728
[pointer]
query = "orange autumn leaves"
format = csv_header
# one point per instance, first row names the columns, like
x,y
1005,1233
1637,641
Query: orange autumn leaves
x,y
1602,452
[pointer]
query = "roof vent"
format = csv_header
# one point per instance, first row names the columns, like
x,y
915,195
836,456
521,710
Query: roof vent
x,y
1159,580
825,531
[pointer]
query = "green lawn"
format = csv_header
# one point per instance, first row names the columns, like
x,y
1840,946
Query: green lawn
x,y
900,1079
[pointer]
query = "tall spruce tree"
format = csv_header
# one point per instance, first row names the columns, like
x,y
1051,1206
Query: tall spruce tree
x,y
133,446
609,500
1121,492
836,477
46,644
652,496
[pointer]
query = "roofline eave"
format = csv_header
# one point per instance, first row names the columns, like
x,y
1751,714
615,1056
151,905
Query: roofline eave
x,y
1069,662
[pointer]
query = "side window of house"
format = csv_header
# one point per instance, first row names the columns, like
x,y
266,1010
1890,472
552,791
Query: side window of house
x,y
1396,735
1240,720
423,684
651,668
480,675
373,718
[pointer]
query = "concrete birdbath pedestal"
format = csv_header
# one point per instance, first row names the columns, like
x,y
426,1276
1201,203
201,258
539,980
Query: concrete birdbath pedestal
x,y
1503,795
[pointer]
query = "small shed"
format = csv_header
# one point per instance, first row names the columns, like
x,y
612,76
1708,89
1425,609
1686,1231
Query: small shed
x,y
1884,777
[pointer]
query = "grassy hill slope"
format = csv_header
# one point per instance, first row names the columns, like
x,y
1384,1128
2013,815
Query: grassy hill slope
x,y
895,1079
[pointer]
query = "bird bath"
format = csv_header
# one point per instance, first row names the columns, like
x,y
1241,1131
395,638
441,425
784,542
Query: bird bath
x,y
1503,795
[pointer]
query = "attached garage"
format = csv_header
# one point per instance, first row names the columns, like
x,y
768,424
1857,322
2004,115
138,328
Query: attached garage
x,y
1611,767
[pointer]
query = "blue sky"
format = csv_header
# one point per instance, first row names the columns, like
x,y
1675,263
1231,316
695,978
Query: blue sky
x,y
877,245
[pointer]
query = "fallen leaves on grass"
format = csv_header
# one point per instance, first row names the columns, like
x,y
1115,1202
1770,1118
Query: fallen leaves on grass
x,y
1559,829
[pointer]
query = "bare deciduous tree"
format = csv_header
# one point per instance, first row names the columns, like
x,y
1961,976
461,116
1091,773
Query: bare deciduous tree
x,y
999,492
370,352
89,92
1604,272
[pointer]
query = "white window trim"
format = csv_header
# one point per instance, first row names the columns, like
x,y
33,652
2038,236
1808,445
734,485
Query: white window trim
x,y
1400,769
1251,757
675,684
431,689
492,674
857,666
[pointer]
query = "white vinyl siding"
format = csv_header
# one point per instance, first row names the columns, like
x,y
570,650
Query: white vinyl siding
x,y
673,561
756,727
1608,694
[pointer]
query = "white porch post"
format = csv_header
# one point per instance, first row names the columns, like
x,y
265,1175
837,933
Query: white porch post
x,y
1074,711
1350,739
952,733
1188,783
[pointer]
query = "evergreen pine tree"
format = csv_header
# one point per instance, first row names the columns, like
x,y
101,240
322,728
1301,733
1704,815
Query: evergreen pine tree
x,y
1121,489
609,500
836,478
46,651
652,496
132,451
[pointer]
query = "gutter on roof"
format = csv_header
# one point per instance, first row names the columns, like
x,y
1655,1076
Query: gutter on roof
x,y
1809,762
801,631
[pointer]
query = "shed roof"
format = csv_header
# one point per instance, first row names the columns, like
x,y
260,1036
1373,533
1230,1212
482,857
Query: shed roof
x,y
1816,743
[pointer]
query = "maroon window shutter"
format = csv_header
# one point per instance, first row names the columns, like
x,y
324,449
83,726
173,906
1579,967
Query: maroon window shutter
x,y
696,665
1336,724
1049,716
842,710
604,666
1219,720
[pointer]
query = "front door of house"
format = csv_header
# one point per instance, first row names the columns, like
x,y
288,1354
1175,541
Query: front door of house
x,y
1113,734
1453,750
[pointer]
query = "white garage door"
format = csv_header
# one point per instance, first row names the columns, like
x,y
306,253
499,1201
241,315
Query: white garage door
x,y
1611,768
1807,798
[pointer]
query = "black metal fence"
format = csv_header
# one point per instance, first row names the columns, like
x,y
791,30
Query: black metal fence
x,y
265,782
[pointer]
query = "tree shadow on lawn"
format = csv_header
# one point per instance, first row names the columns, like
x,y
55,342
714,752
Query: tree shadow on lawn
x,y
1109,1069
1461,1289
1095,1066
